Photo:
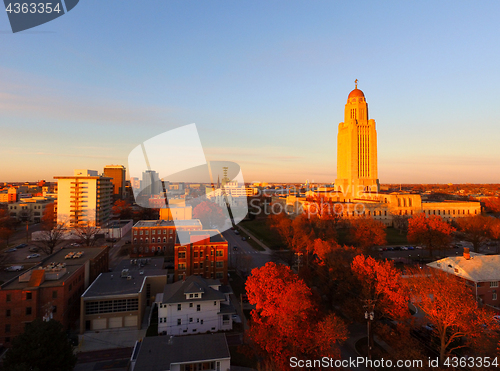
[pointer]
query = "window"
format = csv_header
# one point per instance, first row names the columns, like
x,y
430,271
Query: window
x,y
494,284
190,319
195,254
201,265
29,295
201,254
7,328
7,313
164,239
215,303
8,297
198,307
135,232
153,231
179,321
190,305
153,240
195,265
190,296
28,311
182,266
219,253
140,232
179,306
219,275
182,255
494,296
201,322
219,264
54,309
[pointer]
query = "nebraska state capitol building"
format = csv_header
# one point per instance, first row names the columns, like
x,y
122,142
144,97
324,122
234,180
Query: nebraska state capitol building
x,y
356,191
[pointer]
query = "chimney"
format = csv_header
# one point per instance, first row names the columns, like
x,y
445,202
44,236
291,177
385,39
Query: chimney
x,y
466,253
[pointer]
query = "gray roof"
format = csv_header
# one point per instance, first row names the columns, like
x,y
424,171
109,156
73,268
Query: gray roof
x,y
168,223
176,292
157,353
111,283
479,268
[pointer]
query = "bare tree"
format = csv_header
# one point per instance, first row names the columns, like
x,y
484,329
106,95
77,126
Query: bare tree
x,y
48,239
87,233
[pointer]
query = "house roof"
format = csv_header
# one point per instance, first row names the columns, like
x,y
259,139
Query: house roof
x,y
176,292
479,268
158,353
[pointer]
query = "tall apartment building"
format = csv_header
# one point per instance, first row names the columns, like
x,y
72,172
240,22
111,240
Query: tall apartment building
x,y
85,197
117,175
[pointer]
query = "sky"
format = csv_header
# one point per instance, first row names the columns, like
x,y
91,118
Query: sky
x,y
265,82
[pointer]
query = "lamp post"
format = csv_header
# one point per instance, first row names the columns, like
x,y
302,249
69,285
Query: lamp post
x,y
369,316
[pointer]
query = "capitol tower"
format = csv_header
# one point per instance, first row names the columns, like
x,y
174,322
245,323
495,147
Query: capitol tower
x,y
357,148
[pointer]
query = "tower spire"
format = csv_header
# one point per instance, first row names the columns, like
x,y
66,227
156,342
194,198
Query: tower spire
x,y
356,84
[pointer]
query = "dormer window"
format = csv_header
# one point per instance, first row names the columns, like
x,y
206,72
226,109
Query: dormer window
x,y
191,296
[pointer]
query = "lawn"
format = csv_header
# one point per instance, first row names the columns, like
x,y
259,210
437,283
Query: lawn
x,y
394,237
259,227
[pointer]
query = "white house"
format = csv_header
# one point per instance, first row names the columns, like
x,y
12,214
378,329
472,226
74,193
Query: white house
x,y
195,305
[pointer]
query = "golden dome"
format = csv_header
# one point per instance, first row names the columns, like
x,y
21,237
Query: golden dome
x,y
356,93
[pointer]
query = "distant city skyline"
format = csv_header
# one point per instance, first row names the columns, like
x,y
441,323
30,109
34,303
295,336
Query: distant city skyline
x,y
265,82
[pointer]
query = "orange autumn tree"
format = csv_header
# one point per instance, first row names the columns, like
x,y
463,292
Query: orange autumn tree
x,y
367,232
449,304
492,204
476,229
286,321
381,282
432,231
210,215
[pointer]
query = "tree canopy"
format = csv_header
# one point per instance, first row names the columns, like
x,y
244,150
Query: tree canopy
x,y
286,321
43,346
432,231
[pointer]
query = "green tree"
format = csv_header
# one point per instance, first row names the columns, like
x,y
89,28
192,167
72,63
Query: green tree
x,y
43,346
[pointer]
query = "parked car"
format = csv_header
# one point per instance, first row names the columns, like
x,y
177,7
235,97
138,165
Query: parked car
x,y
32,256
33,249
244,298
15,268
236,232
12,249
235,248
243,239
20,246
236,318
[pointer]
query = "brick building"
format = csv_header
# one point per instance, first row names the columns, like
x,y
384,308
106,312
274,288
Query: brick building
x,y
481,272
151,237
51,289
206,255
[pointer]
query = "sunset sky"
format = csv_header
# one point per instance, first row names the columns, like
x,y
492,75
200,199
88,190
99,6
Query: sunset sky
x,y
265,82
